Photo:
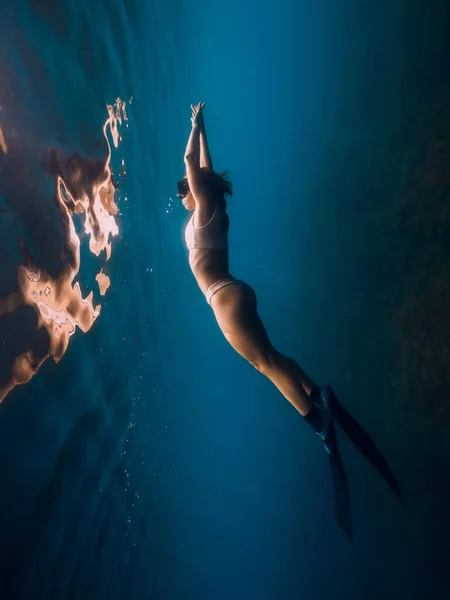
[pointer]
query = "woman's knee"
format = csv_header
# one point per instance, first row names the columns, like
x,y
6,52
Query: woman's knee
x,y
265,363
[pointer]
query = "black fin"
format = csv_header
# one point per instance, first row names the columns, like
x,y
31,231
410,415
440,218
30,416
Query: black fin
x,y
363,442
341,493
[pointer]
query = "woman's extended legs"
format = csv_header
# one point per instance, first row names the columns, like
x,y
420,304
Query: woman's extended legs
x,y
237,316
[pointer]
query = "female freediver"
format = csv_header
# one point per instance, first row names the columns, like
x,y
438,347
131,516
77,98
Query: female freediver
x,y
234,305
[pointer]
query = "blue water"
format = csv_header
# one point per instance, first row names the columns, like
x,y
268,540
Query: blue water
x,y
152,461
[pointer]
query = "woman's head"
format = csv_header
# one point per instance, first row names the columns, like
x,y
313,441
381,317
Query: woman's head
x,y
184,194
217,184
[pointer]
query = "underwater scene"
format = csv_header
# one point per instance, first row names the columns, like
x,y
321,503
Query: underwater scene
x,y
224,300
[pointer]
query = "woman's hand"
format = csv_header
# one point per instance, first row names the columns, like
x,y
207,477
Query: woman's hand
x,y
197,118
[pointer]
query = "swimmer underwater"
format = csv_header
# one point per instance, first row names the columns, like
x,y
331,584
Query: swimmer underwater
x,y
234,305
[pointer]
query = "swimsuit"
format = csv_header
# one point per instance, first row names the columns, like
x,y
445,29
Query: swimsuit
x,y
218,285
207,236
210,236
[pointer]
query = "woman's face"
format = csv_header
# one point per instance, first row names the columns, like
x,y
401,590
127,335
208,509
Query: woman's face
x,y
188,202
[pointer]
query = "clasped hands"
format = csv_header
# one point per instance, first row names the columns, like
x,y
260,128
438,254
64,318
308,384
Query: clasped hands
x,y
197,118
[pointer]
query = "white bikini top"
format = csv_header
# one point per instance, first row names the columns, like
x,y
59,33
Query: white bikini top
x,y
207,236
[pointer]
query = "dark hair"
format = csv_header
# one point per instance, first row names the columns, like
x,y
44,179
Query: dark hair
x,y
218,183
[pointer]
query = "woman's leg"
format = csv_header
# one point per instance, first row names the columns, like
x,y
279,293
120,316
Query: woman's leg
x,y
236,312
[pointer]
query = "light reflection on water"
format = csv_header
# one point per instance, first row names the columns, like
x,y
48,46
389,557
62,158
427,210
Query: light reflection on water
x,y
81,509
81,187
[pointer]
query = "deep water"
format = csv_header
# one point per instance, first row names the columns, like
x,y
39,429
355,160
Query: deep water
x,y
152,461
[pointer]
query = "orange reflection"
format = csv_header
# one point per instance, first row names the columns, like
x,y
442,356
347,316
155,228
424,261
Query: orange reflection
x,y
81,186
103,282
3,146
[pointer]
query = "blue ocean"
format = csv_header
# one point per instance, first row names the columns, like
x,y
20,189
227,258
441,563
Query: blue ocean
x,y
140,456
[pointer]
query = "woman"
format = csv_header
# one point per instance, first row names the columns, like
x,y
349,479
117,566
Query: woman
x,y
234,305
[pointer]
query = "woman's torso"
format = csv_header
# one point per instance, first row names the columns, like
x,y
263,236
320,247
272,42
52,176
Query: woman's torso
x,y
211,225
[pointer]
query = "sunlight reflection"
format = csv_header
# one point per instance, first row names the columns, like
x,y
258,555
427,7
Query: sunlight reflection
x,y
81,186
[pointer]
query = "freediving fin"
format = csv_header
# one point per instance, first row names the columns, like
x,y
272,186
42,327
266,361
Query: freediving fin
x,y
362,440
341,492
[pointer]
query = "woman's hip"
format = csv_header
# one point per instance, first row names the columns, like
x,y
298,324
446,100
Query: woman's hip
x,y
227,289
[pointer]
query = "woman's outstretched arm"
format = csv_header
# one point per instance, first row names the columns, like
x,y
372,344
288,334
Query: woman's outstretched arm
x,y
198,119
192,152
205,156
192,156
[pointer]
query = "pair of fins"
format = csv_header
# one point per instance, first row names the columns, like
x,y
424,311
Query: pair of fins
x,y
333,412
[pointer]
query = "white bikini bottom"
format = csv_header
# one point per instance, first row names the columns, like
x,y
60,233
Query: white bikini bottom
x,y
218,285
